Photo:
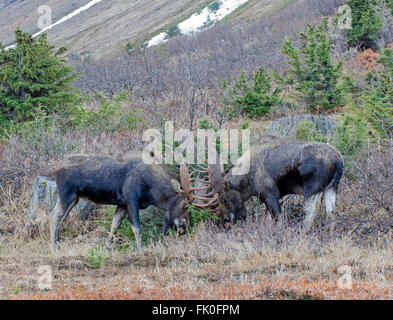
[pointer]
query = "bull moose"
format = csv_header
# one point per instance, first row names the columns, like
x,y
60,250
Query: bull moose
x,y
279,168
128,182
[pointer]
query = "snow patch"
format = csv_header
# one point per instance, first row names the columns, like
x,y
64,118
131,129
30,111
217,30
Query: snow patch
x,y
202,20
64,19
69,16
196,23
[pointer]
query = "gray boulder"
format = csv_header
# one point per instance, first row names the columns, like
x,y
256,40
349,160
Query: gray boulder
x,y
287,127
44,201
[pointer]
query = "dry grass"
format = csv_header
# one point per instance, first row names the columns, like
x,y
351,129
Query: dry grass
x,y
262,261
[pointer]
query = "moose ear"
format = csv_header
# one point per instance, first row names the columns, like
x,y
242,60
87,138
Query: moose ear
x,y
226,185
176,186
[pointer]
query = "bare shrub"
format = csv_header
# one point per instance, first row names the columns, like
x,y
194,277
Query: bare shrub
x,y
325,7
191,78
179,76
366,201
37,151
109,75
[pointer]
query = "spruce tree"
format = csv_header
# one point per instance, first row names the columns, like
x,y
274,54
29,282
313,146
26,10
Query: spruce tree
x,y
378,98
366,24
389,4
35,80
253,98
316,80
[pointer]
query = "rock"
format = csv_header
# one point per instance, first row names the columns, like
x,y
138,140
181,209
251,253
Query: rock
x,y
44,196
287,127
44,201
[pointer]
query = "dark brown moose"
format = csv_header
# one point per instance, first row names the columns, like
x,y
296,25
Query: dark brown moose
x,y
129,183
279,168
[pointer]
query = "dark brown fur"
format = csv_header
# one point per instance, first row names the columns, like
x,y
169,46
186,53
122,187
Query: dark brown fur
x,y
127,182
278,168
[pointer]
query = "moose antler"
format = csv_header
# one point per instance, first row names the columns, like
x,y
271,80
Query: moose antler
x,y
210,178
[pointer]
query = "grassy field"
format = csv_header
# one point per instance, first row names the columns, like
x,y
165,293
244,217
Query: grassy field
x,y
264,260
261,261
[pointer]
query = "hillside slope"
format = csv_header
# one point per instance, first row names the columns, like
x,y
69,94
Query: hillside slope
x,y
255,9
107,26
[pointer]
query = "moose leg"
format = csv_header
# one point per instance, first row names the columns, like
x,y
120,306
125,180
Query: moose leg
x,y
309,206
165,225
330,205
133,216
243,216
243,221
120,213
273,206
59,214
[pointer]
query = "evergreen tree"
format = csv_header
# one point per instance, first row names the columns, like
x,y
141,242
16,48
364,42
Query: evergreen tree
x,y
34,80
378,99
253,98
366,23
389,4
315,79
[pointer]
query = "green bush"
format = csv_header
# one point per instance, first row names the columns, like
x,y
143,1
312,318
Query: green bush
x,y
35,81
253,98
43,133
377,99
389,4
173,31
373,117
214,6
316,80
352,135
95,258
151,227
366,23
205,124
109,116
40,139
198,215
306,132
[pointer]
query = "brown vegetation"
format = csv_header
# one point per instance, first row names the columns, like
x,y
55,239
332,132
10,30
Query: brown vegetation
x,y
365,61
261,261
265,290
